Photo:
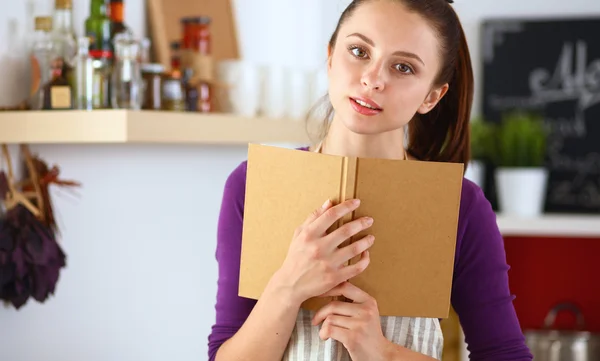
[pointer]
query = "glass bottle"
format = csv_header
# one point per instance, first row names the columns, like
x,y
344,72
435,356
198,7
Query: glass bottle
x,y
64,37
98,26
117,17
126,82
84,76
101,63
63,32
41,59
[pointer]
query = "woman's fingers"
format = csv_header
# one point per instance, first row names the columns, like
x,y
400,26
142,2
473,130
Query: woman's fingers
x,y
316,213
334,308
313,216
322,223
351,271
350,229
354,249
349,291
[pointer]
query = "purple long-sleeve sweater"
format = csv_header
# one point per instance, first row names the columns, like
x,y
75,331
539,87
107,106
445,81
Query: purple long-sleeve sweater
x,y
480,291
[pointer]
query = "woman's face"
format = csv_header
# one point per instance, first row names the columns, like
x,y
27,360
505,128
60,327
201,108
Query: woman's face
x,y
385,58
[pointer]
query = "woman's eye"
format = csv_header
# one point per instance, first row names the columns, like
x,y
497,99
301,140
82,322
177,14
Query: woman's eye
x,y
403,68
358,52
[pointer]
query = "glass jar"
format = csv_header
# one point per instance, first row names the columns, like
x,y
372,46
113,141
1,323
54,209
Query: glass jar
x,y
152,75
173,93
126,82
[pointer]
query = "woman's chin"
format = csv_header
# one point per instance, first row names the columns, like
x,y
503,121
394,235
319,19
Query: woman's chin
x,y
367,125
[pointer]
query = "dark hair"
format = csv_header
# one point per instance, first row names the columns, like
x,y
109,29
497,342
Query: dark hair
x,y
442,134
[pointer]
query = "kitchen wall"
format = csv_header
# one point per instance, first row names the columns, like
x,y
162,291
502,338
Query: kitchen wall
x,y
140,234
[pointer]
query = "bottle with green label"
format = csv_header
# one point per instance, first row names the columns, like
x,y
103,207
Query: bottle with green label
x,y
98,26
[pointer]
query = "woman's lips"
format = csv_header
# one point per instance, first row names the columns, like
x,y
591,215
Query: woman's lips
x,y
365,106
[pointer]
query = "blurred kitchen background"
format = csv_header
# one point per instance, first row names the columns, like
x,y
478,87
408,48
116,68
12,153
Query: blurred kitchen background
x,y
139,234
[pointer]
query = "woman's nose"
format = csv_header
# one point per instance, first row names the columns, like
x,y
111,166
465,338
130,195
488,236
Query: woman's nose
x,y
372,78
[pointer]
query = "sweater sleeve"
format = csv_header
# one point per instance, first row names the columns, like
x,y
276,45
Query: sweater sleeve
x,y
231,310
480,293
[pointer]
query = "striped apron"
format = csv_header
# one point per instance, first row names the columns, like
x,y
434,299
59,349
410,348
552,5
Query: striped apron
x,y
423,335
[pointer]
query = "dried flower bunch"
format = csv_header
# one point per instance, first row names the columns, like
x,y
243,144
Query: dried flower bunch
x,y
30,256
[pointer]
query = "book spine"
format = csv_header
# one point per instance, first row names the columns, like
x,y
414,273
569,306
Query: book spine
x,y
347,191
348,184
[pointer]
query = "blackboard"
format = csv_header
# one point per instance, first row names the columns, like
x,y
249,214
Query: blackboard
x,y
551,66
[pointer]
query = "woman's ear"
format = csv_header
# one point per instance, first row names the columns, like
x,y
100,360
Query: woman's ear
x,y
433,98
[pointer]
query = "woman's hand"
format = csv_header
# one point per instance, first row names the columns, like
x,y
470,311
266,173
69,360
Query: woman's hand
x,y
356,325
315,263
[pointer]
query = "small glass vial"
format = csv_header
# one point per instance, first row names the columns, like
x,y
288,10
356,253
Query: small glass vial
x,y
84,76
126,84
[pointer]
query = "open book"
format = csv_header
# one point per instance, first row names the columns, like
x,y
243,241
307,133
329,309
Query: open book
x,y
414,205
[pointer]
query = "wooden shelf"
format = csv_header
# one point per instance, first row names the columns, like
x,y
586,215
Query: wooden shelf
x,y
123,126
551,225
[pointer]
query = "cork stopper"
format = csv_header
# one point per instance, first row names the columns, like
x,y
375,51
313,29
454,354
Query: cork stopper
x,y
43,23
63,4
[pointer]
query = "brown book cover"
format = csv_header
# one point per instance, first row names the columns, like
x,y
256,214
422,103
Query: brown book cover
x,y
414,205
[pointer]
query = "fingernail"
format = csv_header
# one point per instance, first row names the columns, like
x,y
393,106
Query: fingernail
x,y
325,204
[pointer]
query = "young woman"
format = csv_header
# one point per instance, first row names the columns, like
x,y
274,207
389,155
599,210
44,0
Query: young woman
x,y
401,87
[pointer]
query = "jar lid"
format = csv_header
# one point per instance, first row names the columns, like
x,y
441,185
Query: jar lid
x,y
155,68
63,4
202,20
43,23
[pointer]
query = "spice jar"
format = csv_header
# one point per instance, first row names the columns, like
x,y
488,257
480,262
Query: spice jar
x,y
173,93
152,76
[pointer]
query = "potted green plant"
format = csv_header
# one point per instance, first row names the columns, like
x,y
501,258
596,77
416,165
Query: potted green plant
x,y
481,142
521,176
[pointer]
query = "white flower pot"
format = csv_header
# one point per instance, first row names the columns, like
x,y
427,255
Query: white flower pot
x,y
521,191
475,172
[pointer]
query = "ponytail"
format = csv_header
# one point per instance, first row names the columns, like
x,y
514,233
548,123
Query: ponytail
x,y
443,134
